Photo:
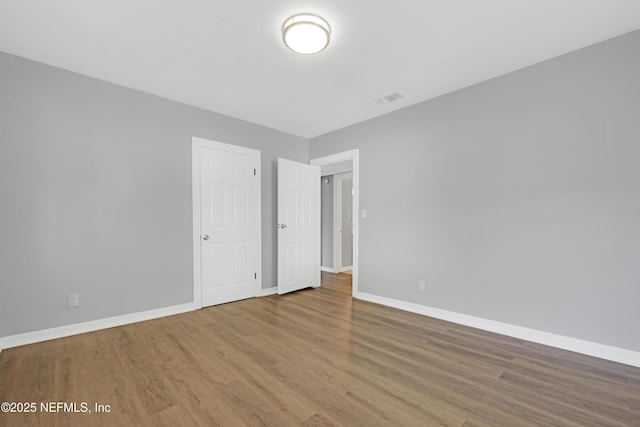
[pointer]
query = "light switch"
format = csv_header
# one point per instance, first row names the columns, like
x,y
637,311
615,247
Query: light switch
x,y
363,213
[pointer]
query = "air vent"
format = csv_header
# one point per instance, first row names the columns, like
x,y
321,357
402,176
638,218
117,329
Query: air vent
x,y
388,99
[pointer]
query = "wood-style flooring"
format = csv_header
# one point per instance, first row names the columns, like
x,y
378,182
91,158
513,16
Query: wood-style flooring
x,y
313,358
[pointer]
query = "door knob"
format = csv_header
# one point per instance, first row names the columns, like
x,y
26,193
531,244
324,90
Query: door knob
x,y
281,226
205,237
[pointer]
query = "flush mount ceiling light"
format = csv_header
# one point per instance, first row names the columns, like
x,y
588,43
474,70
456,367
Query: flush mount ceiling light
x,y
306,33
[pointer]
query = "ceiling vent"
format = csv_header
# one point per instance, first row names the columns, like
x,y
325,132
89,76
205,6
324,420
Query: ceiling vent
x,y
390,98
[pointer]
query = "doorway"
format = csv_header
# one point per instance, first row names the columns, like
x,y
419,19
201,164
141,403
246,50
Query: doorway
x,y
343,169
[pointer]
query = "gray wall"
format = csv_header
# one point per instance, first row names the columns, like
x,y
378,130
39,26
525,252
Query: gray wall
x,y
326,223
95,193
517,199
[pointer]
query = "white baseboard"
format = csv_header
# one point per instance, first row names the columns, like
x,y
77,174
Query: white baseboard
x,y
328,269
94,325
603,351
270,291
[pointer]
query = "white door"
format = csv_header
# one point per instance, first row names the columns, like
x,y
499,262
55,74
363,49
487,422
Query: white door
x,y
298,226
229,223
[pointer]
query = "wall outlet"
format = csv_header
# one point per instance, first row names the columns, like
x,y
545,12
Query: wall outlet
x,y
422,285
73,300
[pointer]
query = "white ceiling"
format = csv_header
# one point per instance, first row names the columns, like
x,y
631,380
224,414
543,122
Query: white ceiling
x,y
228,56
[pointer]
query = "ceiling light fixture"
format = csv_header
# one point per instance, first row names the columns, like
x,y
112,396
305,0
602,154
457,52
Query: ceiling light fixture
x,y
306,33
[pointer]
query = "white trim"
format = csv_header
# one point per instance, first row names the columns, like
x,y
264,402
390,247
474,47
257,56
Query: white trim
x,y
328,269
196,144
346,268
354,156
93,325
269,291
603,351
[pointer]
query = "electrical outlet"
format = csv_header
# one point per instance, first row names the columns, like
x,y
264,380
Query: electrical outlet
x,y
422,285
73,300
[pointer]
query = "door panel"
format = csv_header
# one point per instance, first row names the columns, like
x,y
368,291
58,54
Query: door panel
x,y
298,226
230,224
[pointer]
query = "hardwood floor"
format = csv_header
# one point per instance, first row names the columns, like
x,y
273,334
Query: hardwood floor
x,y
314,358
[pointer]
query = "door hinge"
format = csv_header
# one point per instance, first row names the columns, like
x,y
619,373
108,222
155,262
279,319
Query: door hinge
x,y
255,275
254,172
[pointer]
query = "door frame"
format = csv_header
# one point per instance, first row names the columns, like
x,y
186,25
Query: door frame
x,y
196,145
337,222
354,157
